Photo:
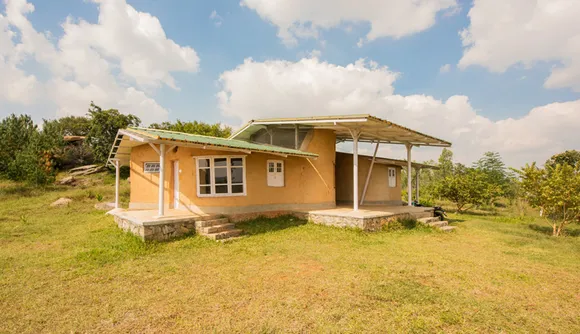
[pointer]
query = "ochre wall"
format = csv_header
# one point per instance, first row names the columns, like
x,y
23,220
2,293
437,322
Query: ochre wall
x,y
303,185
378,191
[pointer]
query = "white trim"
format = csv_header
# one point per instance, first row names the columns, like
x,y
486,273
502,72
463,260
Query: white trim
x,y
312,121
161,201
117,181
212,175
176,190
409,180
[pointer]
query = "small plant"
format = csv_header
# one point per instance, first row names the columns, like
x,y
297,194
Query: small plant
x,y
99,197
90,194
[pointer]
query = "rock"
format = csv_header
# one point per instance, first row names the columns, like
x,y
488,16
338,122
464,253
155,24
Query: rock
x,y
104,206
63,201
67,181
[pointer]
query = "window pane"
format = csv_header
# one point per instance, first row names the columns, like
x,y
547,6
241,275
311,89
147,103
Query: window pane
x,y
221,175
237,175
204,176
237,162
279,167
220,162
203,162
237,189
205,190
270,167
221,189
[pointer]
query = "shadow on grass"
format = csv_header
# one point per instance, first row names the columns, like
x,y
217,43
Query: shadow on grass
x,y
568,231
264,225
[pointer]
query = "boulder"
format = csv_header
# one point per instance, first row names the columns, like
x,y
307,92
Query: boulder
x,y
63,201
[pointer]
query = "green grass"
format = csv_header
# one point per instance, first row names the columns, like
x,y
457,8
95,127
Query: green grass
x,y
72,270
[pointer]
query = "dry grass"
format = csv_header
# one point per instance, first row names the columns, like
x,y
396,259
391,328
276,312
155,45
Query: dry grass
x,y
71,270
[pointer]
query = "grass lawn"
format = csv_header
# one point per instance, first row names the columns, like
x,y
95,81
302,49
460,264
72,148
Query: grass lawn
x,y
72,270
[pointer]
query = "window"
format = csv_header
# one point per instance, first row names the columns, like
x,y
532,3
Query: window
x,y
221,176
275,173
151,167
392,177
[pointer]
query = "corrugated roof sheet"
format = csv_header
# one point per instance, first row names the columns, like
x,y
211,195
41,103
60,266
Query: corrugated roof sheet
x,y
372,129
217,142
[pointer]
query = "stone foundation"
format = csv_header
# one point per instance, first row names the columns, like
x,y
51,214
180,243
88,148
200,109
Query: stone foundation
x,y
161,231
369,224
171,228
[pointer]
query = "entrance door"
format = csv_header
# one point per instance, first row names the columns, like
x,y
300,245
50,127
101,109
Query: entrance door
x,y
176,184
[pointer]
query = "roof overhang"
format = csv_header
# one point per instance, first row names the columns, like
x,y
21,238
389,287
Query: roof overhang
x,y
126,139
370,129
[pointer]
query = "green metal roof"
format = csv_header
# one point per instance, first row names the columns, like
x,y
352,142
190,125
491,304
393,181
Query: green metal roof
x,y
216,142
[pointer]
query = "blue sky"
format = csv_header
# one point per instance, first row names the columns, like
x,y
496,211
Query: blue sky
x,y
246,31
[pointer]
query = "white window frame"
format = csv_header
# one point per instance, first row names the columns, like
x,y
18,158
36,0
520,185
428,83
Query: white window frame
x,y
389,169
151,162
212,179
275,162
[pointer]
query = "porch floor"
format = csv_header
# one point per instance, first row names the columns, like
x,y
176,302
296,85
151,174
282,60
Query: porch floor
x,y
372,211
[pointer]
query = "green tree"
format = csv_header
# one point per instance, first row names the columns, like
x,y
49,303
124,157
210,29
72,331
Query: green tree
x,y
15,134
465,187
571,157
555,191
195,127
445,163
104,125
496,175
72,125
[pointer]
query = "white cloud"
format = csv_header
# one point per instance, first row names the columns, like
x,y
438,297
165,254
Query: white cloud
x,y
503,33
217,20
110,62
445,68
17,86
310,87
389,18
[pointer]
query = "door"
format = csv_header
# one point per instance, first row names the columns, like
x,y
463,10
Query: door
x,y
275,173
176,184
392,177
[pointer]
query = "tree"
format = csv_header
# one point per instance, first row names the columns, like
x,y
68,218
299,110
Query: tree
x,y
27,154
555,191
445,163
570,157
465,187
72,125
15,133
195,127
497,176
104,125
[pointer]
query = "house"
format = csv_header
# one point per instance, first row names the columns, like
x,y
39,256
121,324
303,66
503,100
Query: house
x,y
270,166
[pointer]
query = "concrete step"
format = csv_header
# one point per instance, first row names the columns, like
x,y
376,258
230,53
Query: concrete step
x,y
438,224
225,234
217,228
428,220
447,228
211,222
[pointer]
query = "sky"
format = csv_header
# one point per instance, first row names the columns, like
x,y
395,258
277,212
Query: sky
x,y
486,75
